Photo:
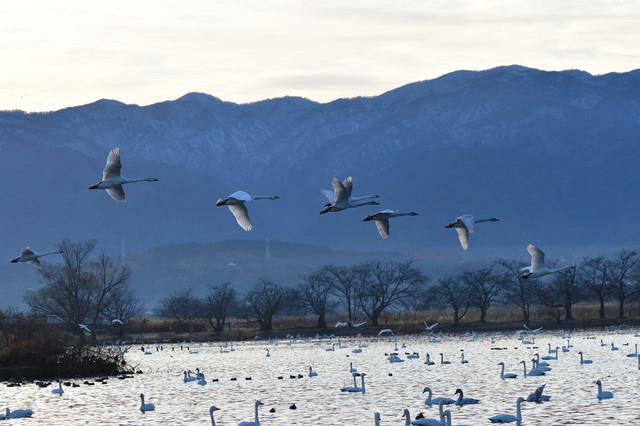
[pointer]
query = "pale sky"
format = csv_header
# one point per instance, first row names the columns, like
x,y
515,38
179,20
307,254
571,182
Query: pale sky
x,y
60,53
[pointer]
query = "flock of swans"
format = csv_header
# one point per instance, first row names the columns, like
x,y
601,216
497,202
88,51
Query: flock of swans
x,y
413,368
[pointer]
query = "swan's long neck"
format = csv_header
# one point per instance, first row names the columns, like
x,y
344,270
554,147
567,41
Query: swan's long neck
x,y
256,414
407,417
518,412
362,377
502,371
562,268
363,198
213,422
364,203
131,180
599,388
581,359
49,252
264,197
524,366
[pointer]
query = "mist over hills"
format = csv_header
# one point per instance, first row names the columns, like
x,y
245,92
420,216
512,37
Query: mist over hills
x,y
552,154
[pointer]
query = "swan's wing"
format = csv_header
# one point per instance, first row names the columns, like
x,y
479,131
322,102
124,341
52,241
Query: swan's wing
x,y
468,221
117,193
242,215
112,169
328,194
537,257
463,236
35,262
241,196
339,191
348,186
383,227
26,252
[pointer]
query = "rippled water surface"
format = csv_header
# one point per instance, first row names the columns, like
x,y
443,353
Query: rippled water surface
x,y
390,387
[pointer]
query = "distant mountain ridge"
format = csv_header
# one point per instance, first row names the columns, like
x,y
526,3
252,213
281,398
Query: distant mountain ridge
x,y
553,154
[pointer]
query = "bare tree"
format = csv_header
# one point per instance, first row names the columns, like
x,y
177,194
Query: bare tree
x,y
595,275
381,284
314,294
454,293
218,303
181,306
265,300
560,293
517,290
621,268
122,304
485,288
343,282
68,290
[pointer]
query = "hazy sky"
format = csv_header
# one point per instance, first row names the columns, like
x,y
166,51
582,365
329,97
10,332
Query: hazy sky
x,y
59,53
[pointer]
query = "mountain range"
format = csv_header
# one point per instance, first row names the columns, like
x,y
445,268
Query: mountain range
x,y
552,154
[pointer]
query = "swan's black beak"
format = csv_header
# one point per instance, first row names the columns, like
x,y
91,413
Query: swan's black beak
x,y
94,186
14,260
220,202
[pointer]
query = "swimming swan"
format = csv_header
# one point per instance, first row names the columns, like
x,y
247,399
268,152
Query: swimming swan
x,y
342,198
538,267
58,390
584,361
465,224
18,414
211,410
381,219
312,373
464,401
30,256
424,421
256,422
504,375
533,372
434,401
508,418
603,394
112,181
145,407
355,388
236,203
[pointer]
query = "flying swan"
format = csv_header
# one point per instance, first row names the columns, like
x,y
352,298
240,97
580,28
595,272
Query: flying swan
x,y
538,267
342,198
381,219
30,256
236,203
465,224
112,181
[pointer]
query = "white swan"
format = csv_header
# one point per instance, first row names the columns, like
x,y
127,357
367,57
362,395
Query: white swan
x,y
17,414
537,395
538,267
31,257
428,360
509,418
424,421
58,390
462,360
201,380
348,185
256,421
603,394
268,354
504,375
533,372
633,354
145,407
112,181
342,198
614,348
465,224
464,401
236,203
442,361
433,401
188,377
355,388
382,220
351,369
312,373
584,361
211,410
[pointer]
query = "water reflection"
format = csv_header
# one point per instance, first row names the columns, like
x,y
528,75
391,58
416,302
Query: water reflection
x,y
236,379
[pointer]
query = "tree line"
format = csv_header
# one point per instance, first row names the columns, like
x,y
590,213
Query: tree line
x,y
94,290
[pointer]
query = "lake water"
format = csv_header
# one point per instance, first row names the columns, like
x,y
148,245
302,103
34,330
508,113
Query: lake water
x,y
390,387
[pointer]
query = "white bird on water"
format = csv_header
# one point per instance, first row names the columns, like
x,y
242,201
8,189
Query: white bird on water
x,y
603,394
504,375
256,421
236,203
16,414
341,198
538,267
509,418
112,181
58,390
465,224
381,219
145,407
30,256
